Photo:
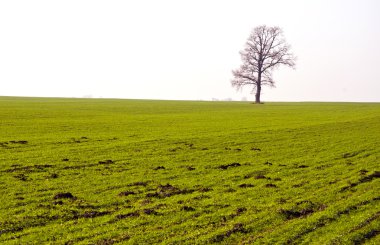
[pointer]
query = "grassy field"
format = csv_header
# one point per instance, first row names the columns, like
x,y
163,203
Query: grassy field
x,y
102,171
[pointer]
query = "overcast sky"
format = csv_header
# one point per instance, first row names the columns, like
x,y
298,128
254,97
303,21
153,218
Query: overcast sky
x,y
163,49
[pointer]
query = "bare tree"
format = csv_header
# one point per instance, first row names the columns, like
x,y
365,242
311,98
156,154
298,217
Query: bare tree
x,y
265,50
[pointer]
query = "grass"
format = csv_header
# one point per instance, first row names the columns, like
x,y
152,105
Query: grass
x,y
103,171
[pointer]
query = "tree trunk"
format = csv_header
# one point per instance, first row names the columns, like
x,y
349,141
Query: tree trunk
x,y
258,87
258,92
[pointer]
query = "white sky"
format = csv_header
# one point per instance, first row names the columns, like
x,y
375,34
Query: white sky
x,y
163,49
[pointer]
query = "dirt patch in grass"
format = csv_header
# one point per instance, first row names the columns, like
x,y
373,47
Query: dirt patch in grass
x,y
187,208
300,184
175,149
53,176
230,190
167,191
246,185
150,211
234,164
351,154
256,174
270,185
204,189
28,169
201,197
323,221
239,211
126,193
356,206
366,222
11,230
363,171
109,161
367,236
370,177
345,188
94,214
154,194
260,177
237,228
64,195
21,177
281,200
139,183
301,209
128,215
364,179
22,142
291,214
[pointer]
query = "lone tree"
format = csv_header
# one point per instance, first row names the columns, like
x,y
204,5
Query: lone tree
x,y
264,50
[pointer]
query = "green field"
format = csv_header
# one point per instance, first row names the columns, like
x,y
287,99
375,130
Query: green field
x,y
104,171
